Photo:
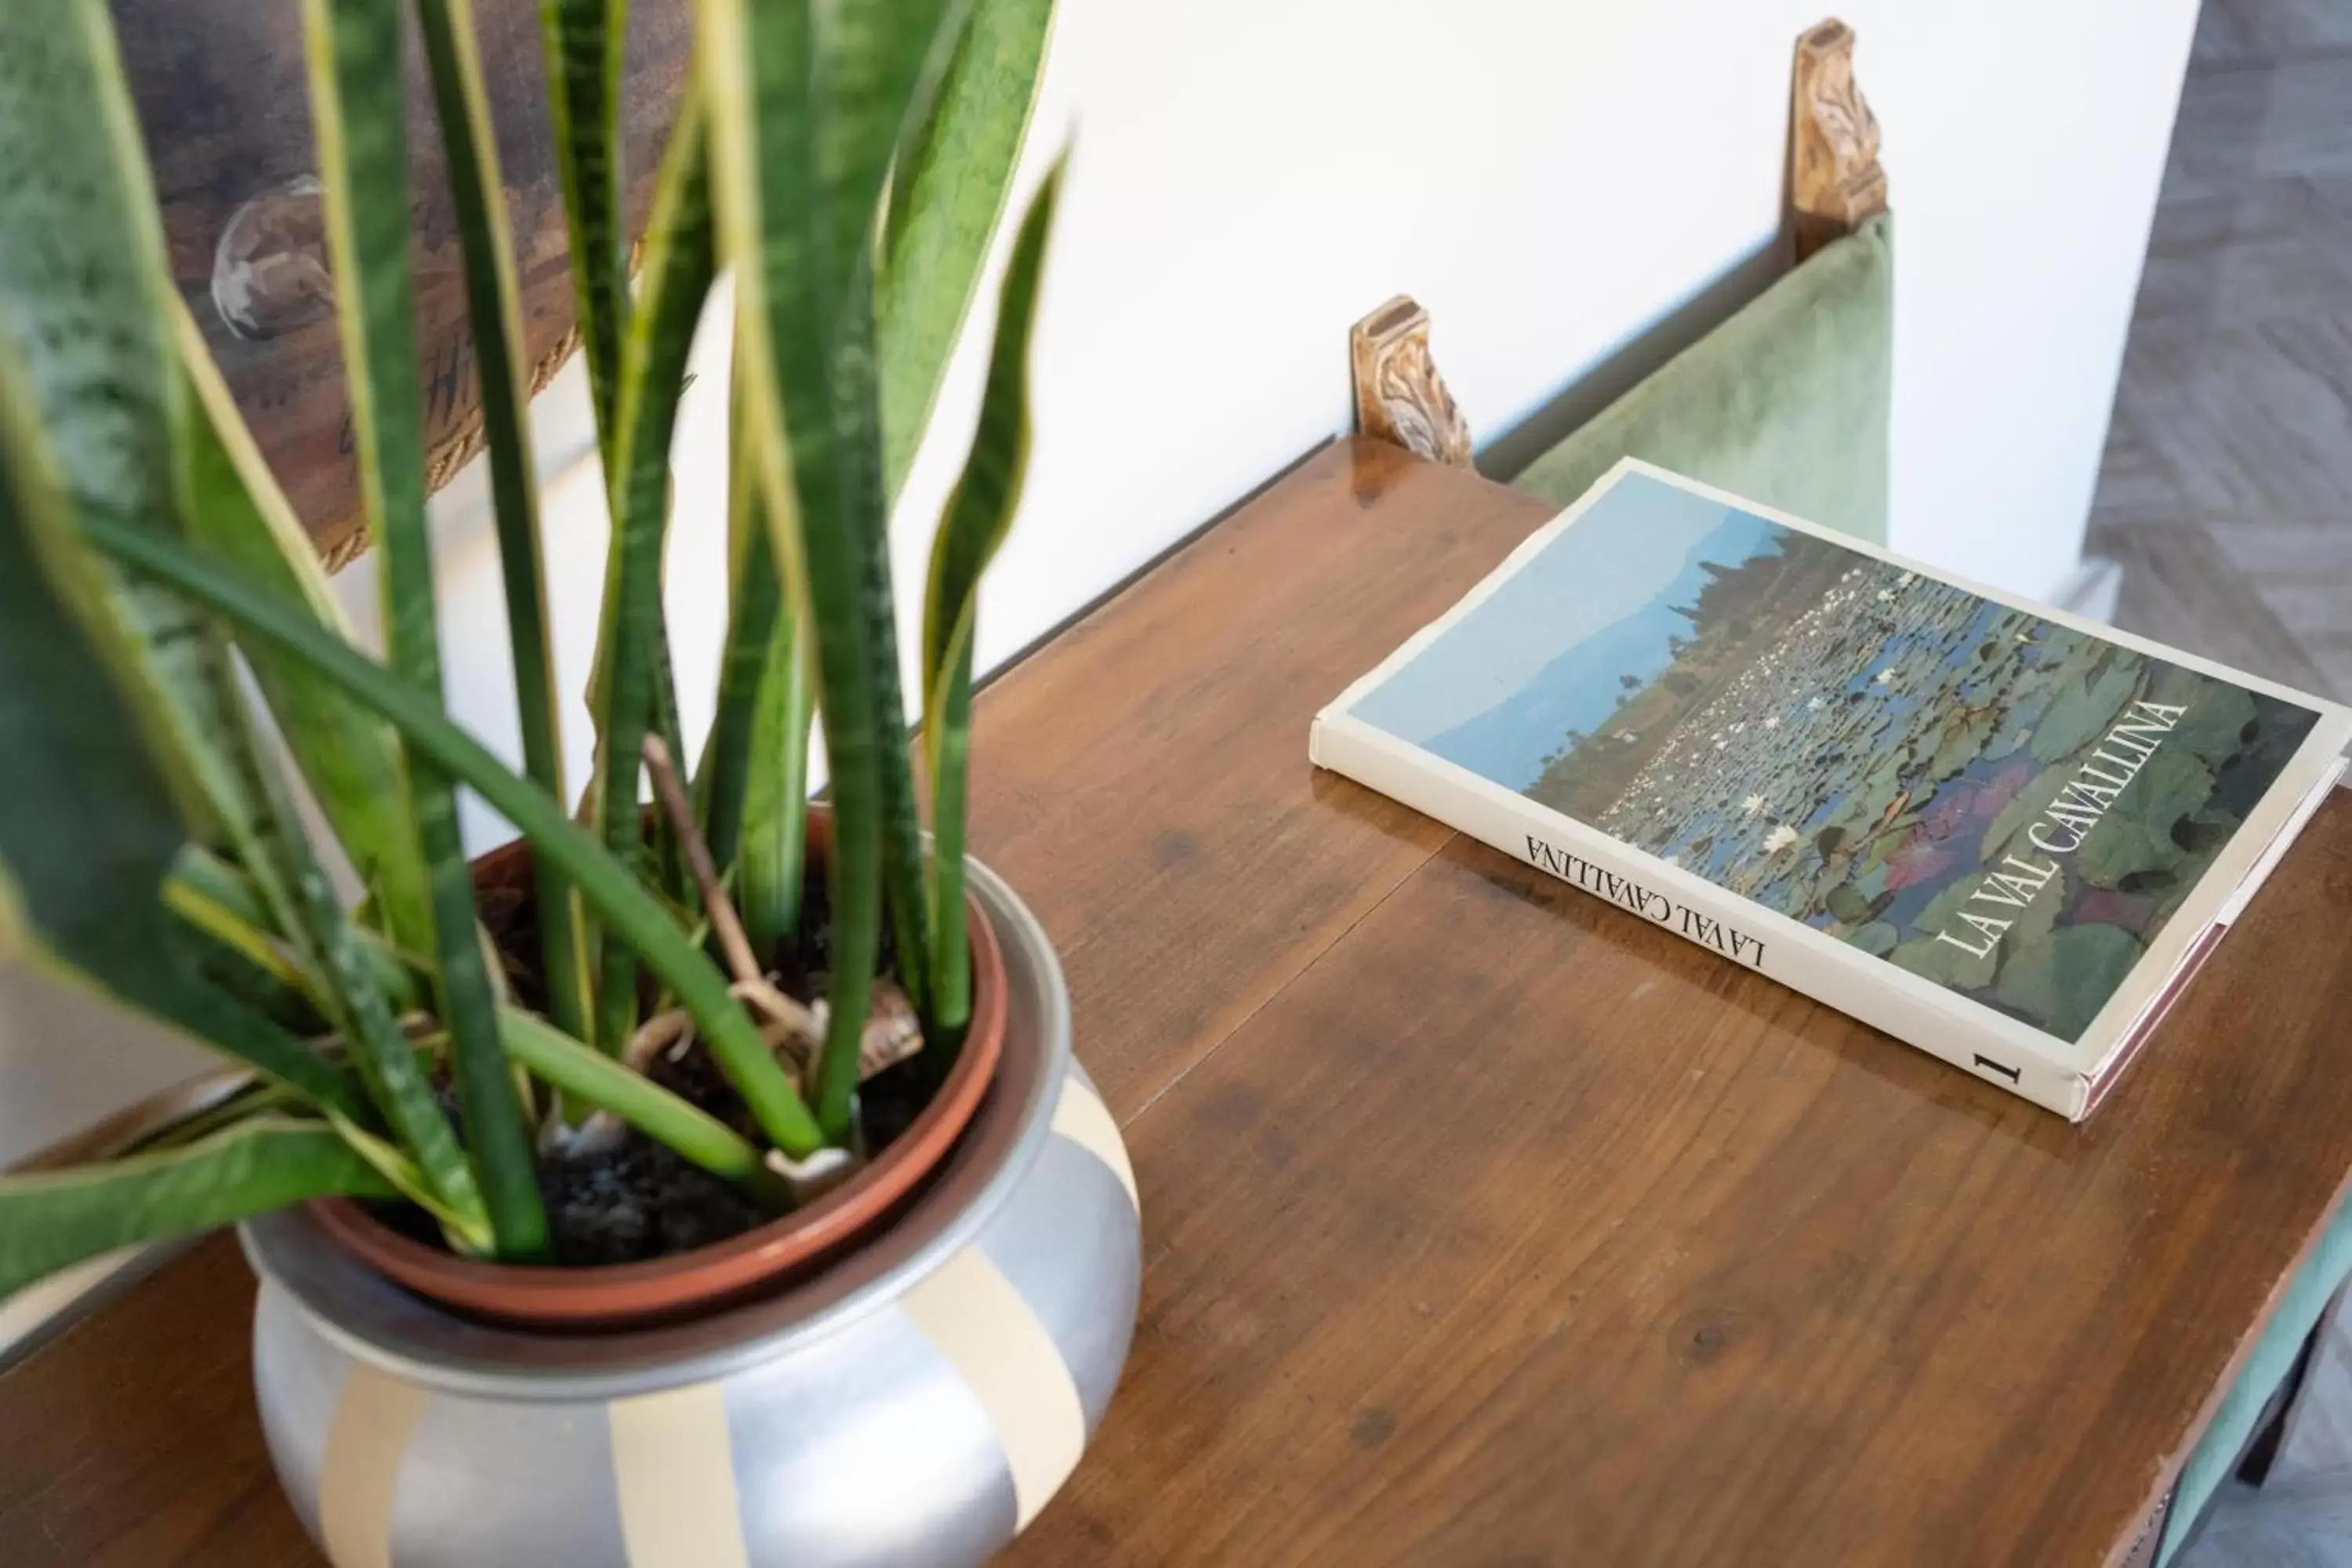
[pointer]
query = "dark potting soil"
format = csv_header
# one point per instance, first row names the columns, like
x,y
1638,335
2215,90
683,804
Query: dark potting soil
x,y
636,1200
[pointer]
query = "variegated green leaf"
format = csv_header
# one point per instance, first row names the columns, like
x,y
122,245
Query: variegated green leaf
x,y
58,1218
359,121
677,275
754,593
753,786
775,816
82,279
807,110
617,897
947,196
979,515
596,1079
587,1077
81,271
236,512
87,825
462,103
582,41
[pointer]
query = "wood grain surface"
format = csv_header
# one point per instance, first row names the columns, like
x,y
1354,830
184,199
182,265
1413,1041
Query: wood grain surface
x,y
1485,1223
224,107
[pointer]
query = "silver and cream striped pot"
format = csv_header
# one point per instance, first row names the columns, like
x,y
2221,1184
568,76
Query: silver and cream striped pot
x,y
916,1403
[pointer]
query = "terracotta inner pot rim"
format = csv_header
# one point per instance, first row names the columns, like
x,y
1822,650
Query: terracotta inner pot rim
x,y
408,1337
705,1279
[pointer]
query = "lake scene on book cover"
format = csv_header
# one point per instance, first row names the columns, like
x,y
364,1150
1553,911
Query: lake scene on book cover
x,y
2007,807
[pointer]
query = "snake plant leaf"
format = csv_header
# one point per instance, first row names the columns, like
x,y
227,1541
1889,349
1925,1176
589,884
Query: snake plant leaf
x,y
806,111
234,1104
753,786
461,101
359,121
753,782
257,809
296,889
979,515
236,512
604,884
262,977
594,1079
58,1218
754,597
775,818
677,275
221,901
903,896
586,1076
81,266
82,274
878,69
337,975
670,851
583,43
947,196
88,826
760,62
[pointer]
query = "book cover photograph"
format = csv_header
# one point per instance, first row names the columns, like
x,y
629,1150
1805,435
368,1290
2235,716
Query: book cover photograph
x,y
2009,807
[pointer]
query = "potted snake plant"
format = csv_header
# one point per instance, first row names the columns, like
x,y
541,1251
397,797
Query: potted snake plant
x,y
706,1181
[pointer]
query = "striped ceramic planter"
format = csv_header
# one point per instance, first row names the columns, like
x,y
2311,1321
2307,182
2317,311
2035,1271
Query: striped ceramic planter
x,y
918,1403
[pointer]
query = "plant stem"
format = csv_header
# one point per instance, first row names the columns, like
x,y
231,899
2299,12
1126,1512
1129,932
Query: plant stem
x,y
671,793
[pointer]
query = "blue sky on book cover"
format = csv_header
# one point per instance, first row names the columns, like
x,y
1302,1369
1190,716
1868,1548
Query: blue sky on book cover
x,y
2007,807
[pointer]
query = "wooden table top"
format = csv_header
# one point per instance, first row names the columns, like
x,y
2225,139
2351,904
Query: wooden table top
x,y
1484,1222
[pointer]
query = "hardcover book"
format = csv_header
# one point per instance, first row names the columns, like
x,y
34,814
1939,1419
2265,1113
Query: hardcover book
x,y
2004,835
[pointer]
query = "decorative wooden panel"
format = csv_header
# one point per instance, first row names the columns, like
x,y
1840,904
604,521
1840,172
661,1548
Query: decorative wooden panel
x,y
225,108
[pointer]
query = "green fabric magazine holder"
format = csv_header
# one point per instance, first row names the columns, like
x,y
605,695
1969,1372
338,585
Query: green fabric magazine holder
x,y
1786,403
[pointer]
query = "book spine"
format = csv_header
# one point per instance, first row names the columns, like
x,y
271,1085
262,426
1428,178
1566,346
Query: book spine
x,y
1697,911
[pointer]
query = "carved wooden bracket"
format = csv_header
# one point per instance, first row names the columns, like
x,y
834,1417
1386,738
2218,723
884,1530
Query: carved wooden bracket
x,y
1835,184
1400,396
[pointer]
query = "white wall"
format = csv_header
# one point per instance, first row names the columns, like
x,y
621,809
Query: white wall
x,y
1550,180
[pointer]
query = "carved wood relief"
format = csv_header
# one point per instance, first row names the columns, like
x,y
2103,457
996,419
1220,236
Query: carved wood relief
x,y
223,108
1400,396
1835,182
